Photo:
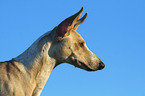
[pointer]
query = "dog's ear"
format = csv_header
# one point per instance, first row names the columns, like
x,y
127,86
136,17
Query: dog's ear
x,y
67,24
80,21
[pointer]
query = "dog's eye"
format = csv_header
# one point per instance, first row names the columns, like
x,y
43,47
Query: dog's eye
x,y
81,44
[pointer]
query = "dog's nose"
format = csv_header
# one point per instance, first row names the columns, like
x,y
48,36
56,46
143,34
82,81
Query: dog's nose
x,y
101,65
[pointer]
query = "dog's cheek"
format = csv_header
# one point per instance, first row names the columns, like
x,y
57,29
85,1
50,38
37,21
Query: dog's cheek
x,y
66,52
63,52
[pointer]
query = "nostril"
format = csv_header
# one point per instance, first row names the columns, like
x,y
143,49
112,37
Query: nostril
x,y
101,65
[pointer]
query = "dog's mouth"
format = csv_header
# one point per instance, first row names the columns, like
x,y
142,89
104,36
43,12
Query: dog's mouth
x,y
80,65
83,66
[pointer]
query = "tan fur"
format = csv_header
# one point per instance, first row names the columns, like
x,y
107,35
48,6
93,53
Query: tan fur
x,y
27,74
10,77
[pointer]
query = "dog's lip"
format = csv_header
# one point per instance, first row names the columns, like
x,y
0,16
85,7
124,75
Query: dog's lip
x,y
84,66
79,64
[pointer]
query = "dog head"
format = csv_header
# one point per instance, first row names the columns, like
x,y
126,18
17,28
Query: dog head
x,y
69,47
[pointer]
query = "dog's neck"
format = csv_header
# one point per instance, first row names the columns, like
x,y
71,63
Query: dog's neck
x,y
37,61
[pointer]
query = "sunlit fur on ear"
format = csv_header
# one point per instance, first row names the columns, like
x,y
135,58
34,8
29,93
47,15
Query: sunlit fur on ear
x,y
68,23
80,21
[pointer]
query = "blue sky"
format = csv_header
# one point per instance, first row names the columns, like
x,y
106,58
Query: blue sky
x,y
114,30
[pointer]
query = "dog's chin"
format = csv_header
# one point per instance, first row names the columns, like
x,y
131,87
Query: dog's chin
x,y
89,68
85,67
82,65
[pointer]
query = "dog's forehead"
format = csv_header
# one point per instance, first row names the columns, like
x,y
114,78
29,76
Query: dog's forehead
x,y
76,36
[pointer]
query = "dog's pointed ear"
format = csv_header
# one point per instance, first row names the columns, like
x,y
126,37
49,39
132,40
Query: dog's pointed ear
x,y
68,24
80,21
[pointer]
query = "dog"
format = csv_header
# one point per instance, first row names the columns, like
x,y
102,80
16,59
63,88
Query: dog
x,y
27,74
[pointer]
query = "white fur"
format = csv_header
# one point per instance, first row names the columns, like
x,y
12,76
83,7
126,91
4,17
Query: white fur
x,y
31,58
